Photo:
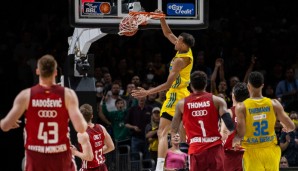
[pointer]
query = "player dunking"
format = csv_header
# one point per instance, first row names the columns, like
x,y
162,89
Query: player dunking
x,y
233,157
256,117
176,84
47,108
200,113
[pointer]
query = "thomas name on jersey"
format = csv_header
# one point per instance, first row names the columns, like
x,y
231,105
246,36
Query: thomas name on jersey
x,y
194,105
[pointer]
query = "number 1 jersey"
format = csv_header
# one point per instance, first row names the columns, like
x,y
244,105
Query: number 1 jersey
x,y
201,122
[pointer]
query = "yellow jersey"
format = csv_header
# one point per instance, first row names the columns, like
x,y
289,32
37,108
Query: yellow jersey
x,y
183,79
178,88
260,121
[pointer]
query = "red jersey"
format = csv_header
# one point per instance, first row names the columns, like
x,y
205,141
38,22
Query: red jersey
x,y
201,122
46,129
97,137
229,141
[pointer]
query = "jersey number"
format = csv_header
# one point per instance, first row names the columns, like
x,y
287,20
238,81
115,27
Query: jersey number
x,y
261,128
202,128
44,135
98,156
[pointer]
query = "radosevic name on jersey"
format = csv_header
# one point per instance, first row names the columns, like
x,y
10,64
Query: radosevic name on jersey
x,y
47,102
180,9
195,105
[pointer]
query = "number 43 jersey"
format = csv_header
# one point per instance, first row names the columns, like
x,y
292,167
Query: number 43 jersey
x,y
201,122
260,121
46,120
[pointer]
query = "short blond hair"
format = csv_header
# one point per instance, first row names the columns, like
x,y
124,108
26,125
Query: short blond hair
x,y
87,111
47,65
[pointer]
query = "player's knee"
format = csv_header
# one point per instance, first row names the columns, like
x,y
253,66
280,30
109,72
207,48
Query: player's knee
x,y
162,133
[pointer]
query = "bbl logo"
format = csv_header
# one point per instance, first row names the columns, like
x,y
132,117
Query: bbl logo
x,y
95,8
180,9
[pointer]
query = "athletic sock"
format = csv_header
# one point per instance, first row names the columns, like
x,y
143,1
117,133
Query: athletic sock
x,y
160,164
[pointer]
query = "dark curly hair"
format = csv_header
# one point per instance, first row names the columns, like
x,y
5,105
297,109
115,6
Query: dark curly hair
x,y
240,91
256,79
198,80
188,39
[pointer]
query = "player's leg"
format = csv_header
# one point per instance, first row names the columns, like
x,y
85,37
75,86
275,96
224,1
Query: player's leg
x,y
163,130
251,159
233,160
272,157
54,161
167,113
182,133
216,158
183,145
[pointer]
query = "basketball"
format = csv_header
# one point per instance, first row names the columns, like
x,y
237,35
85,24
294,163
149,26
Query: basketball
x,y
105,7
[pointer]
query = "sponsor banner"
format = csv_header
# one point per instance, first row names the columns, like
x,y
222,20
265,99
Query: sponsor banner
x,y
96,8
180,9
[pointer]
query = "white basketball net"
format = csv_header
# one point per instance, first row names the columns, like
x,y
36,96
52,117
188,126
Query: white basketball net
x,y
130,23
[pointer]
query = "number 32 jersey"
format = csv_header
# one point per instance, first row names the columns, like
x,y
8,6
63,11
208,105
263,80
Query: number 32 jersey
x,y
201,122
260,121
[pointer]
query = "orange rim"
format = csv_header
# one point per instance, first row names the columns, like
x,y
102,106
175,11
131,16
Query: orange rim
x,y
149,14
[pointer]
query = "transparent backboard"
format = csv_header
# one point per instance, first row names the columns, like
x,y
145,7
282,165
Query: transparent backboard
x,y
180,14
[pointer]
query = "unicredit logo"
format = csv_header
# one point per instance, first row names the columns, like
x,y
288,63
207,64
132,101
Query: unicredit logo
x,y
196,113
47,113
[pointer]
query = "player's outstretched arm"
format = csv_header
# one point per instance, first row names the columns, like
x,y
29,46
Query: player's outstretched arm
x,y
285,120
20,104
240,114
177,66
223,112
167,32
87,153
224,132
72,105
109,145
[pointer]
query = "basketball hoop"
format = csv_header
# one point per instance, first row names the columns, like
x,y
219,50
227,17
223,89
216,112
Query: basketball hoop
x,y
129,24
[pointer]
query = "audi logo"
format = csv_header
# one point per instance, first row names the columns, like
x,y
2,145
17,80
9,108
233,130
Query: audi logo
x,y
196,113
47,113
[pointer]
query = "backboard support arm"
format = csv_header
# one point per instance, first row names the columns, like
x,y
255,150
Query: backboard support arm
x,y
79,44
81,40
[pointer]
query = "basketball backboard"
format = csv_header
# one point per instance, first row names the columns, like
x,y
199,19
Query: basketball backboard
x,y
180,14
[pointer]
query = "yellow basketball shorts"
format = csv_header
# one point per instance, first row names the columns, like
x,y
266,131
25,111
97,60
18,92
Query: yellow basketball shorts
x,y
266,158
172,97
